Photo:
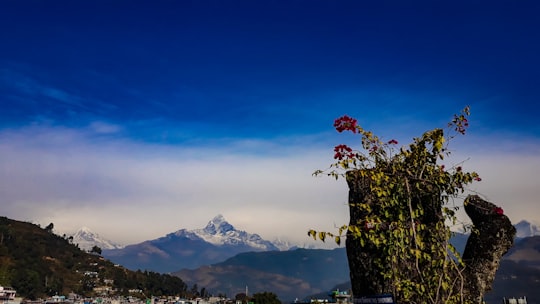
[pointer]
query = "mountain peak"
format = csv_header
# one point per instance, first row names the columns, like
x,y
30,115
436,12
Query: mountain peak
x,y
218,225
86,239
526,229
218,218
219,232
85,229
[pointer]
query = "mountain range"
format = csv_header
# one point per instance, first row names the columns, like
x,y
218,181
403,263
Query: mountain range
x,y
214,243
190,249
226,261
29,252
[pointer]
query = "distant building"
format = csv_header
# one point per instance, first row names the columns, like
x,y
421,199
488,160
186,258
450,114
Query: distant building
x,y
7,294
341,297
522,300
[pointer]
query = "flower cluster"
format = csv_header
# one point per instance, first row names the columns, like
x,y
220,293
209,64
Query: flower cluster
x,y
343,151
373,149
460,122
345,123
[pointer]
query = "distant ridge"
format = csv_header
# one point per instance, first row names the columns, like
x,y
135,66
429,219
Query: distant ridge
x,y
292,274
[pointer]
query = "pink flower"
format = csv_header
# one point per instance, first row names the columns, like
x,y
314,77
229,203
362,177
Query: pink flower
x,y
498,210
393,142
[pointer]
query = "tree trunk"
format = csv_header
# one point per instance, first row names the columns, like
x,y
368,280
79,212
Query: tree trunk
x,y
365,279
492,236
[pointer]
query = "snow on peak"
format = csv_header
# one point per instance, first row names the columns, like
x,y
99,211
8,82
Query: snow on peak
x,y
218,225
284,245
85,230
220,232
87,239
527,229
218,219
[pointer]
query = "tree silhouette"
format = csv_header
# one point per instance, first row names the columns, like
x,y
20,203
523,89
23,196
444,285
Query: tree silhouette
x,y
95,249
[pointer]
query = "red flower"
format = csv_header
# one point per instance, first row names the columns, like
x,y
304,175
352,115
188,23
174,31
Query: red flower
x,y
478,179
461,123
498,210
345,123
373,149
369,225
393,142
343,151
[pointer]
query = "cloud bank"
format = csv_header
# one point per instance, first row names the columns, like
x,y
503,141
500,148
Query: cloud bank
x,y
131,191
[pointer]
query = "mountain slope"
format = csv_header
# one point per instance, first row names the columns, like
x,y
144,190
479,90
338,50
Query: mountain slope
x,y
214,243
39,263
289,274
526,252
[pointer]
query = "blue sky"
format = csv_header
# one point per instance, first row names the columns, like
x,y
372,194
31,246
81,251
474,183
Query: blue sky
x,y
120,113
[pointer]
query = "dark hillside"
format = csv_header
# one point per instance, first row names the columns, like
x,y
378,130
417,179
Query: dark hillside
x,y
515,280
326,267
289,274
39,263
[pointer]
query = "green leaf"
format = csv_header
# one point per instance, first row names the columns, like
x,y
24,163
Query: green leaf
x,y
313,234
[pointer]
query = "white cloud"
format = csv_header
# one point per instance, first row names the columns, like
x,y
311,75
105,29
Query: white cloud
x,y
508,165
130,192
101,127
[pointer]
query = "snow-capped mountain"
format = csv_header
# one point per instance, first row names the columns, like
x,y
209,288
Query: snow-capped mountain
x,y
190,249
527,229
87,239
284,245
219,232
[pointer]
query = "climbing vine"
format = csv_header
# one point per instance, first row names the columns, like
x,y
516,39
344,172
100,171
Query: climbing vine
x,y
406,212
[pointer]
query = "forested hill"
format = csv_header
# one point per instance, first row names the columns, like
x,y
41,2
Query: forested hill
x,y
38,263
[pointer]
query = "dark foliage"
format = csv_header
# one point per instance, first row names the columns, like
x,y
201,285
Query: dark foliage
x,y
265,298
